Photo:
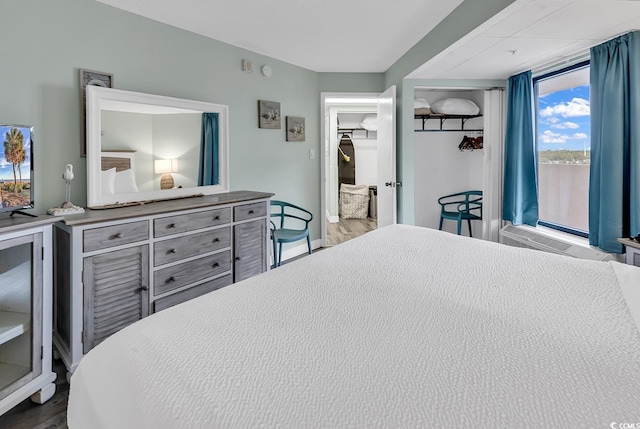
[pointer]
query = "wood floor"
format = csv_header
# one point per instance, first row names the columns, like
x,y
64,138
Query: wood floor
x,y
53,413
346,229
50,415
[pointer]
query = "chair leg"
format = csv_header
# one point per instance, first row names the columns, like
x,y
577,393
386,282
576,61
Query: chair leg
x,y
440,226
459,227
280,255
275,254
469,222
309,243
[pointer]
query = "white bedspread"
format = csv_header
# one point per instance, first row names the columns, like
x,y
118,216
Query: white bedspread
x,y
404,327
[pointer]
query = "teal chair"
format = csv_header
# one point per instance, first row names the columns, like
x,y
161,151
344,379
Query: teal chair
x,y
461,206
279,234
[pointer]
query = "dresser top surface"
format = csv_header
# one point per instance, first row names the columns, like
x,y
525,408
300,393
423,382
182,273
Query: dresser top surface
x,y
20,222
629,242
159,207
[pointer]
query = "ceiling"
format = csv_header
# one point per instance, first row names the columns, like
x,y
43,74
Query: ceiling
x,y
533,35
320,35
371,35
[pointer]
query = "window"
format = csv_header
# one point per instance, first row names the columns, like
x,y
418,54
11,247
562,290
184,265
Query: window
x,y
564,148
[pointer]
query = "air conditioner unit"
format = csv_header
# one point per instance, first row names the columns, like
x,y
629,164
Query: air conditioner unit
x,y
537,238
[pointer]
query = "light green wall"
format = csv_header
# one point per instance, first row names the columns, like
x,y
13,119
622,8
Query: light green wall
x,y
466,17
45,43
351,82
48,43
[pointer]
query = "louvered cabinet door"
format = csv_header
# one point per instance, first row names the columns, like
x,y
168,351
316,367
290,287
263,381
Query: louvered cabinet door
x,y
116,292
249,249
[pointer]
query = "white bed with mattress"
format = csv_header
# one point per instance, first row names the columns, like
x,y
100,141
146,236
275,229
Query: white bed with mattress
x,y
403,327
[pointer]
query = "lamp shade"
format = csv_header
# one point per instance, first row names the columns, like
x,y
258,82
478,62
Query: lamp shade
x,y
162,166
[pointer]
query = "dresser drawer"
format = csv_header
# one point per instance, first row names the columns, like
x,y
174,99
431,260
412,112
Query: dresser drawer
x,y
190,221
636,259
109,236
177,276
194,292
249,211
186,246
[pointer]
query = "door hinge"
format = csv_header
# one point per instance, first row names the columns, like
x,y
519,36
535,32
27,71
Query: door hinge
x,y
82,337
42,254
41,352
393,184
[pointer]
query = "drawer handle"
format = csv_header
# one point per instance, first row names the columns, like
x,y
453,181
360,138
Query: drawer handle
x,y
143,287
171,279
118,235
216,240
173,250
237,258
171,225
216,265
251,212
217,217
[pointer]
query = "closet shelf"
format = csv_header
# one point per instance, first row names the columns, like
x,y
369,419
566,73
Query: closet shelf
x,y
351,130
443,118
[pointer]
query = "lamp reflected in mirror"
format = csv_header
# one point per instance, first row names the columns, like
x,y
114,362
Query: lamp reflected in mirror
x,y
166,167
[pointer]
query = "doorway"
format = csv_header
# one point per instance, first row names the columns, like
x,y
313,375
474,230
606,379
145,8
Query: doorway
x,y
349,139
350,163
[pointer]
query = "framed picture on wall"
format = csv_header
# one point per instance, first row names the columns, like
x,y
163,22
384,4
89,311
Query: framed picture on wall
x,y
269,114
295,129
89,77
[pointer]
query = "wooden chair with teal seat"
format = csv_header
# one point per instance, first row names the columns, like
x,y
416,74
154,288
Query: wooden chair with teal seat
x,y
280,234
461,206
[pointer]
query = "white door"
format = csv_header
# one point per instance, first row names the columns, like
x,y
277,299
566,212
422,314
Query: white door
x,y
387,185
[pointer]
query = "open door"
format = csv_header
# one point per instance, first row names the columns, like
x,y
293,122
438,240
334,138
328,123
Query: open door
x,y
387,185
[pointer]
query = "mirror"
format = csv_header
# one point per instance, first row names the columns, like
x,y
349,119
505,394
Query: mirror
x,y
143,147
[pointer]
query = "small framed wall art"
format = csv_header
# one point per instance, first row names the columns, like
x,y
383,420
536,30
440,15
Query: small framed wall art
x,y
90,77
269,114
295,129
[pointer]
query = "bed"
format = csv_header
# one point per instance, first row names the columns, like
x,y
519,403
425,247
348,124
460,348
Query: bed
x,y
403,327
117,172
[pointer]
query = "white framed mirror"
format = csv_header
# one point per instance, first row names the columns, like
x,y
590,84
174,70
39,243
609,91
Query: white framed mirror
x,y
145,147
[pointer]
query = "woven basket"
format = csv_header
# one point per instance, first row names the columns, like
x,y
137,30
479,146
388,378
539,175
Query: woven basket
x,y
354,201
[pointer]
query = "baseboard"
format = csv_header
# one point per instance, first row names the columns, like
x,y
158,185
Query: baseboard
x,y
292,252
332,219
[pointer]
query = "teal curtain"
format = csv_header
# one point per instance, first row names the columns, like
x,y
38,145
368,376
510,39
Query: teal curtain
x,y
614,188
520,202
209,157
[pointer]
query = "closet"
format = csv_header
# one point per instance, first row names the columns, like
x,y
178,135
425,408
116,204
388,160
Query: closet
x,y
354,142
449,154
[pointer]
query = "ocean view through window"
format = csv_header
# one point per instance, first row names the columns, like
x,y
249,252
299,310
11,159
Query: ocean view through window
x,y
564,148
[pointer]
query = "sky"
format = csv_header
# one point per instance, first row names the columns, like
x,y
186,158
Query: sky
x,y
563,120
6,170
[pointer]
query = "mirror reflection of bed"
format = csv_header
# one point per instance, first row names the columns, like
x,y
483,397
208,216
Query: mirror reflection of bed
x,y
118,174
153,130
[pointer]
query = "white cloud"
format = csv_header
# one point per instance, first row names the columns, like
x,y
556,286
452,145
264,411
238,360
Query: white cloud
x,y
550,137
553,120
565,125
574,108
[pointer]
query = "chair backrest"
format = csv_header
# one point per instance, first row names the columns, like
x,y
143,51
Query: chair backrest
x,y
285,210
466,194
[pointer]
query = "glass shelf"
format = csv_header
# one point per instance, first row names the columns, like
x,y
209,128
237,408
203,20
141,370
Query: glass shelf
x,y
12,325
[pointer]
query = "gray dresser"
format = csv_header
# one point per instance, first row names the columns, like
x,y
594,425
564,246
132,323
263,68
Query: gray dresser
x,y
116,266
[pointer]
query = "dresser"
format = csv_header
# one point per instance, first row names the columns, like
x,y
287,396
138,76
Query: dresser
x,y
632,251
25,310
116,266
